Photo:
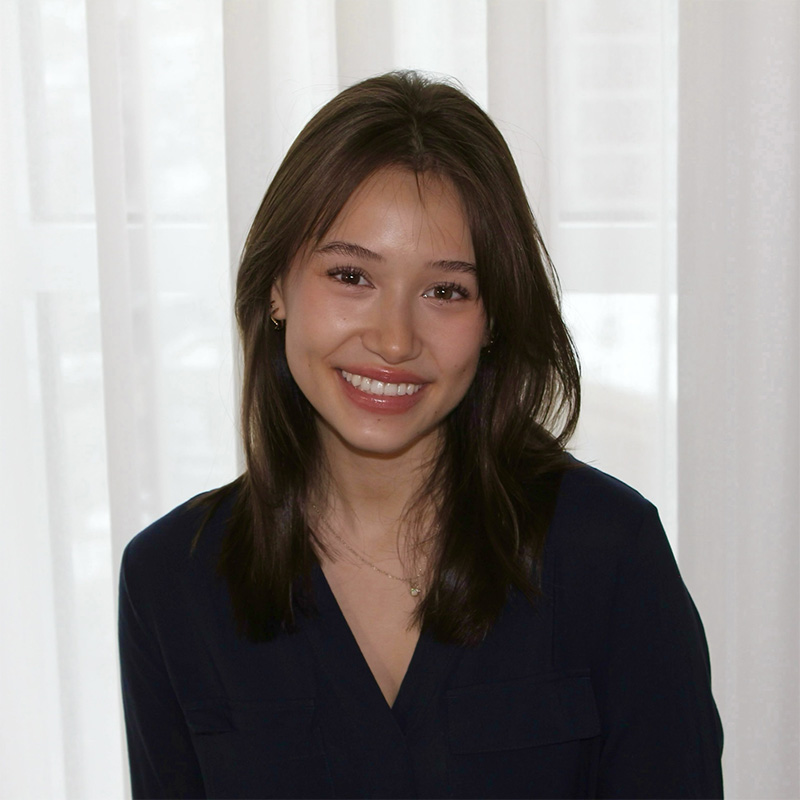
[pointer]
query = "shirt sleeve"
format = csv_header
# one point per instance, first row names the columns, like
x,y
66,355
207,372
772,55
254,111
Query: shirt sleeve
x,y
162,759
663,736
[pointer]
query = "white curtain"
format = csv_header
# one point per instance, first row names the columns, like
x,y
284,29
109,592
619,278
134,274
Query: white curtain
x,y
658,140
116,362
739,374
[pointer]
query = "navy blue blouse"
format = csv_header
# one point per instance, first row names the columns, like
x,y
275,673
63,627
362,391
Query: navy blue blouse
x,y
600,690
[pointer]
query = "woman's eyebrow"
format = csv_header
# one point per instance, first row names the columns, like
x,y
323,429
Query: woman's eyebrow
x,y
455,266
352,250
349,249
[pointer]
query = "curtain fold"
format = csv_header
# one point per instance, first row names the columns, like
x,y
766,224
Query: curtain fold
x,y
114,267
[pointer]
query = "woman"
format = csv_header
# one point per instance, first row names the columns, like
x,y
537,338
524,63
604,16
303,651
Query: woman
x,y
412,591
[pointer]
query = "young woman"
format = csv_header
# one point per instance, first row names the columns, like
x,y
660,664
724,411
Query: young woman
x,y
412,591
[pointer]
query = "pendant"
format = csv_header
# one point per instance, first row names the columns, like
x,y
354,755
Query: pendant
x,y
414,591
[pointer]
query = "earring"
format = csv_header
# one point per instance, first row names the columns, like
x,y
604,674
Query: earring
x,y
487,348
277,324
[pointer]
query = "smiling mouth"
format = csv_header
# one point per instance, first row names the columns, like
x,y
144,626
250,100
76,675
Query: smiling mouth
x,y
382,388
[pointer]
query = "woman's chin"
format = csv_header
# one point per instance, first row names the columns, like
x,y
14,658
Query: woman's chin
x,y
380,445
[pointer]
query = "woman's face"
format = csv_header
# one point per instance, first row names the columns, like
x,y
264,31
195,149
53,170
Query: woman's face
x,y
384,325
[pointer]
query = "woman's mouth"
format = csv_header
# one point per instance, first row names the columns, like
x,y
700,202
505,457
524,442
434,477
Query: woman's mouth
x,y
381,396
380,388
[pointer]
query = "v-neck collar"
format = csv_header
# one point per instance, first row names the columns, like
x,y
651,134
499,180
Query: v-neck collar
x,y
337,650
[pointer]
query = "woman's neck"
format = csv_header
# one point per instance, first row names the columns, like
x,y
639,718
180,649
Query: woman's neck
x,y
367,495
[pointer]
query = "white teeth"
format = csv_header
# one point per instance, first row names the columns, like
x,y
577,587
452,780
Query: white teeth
x,y
371,386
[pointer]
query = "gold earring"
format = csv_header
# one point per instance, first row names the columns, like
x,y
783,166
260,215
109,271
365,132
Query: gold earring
x,y
277,324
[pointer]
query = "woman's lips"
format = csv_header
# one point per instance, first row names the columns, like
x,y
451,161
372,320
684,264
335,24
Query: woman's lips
x,y
381,386
381,396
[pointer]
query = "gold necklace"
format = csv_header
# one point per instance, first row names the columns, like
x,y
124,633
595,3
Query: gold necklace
x,y
414,584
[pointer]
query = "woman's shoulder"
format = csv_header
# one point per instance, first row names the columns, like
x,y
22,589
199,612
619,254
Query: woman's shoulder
x,y
193,529
607,555
597,512
585,487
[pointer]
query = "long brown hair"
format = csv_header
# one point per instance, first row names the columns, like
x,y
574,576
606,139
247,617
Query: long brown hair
x,y
494,481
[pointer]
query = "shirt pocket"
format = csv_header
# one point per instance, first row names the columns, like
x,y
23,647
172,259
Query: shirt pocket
x,y
529,712
533,737
259,748
284,727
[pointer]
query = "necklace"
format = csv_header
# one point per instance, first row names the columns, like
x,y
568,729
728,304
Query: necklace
x,y
414,584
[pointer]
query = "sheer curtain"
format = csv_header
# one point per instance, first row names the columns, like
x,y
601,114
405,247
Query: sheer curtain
x,y
116,376
739,355
137,139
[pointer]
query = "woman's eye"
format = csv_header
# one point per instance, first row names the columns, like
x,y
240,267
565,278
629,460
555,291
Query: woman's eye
x,y
349,276
447,292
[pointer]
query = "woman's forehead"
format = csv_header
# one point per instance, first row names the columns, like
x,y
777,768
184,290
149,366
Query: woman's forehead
x,y
396,207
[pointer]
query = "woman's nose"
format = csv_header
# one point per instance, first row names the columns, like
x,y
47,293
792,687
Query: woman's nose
x,y
391,333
